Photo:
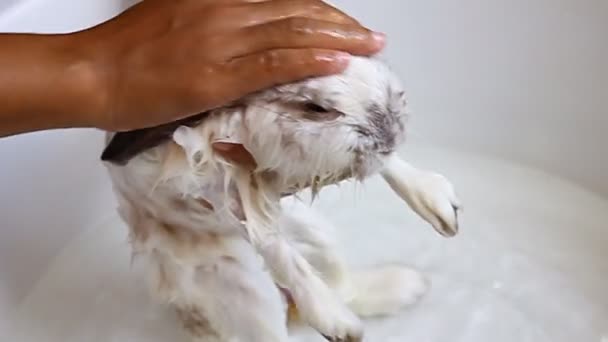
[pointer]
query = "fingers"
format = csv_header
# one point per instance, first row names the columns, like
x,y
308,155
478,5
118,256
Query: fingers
x,y
305,33
260,12
258,71
243,27
339,15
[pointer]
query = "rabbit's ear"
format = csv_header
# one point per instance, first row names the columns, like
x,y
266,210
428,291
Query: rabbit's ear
x,y
199,150
127,144
235,153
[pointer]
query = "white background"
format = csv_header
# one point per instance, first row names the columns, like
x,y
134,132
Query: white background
x,y
5,4
521,79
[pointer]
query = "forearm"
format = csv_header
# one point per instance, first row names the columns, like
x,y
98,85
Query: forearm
x,y
161,61
45,83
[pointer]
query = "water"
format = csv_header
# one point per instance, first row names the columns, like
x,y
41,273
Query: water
x,y
529,265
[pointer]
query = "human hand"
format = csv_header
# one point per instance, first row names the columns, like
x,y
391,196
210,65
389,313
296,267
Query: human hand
x,y
165,60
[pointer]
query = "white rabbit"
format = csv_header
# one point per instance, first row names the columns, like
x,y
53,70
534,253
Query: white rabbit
x,y
202,198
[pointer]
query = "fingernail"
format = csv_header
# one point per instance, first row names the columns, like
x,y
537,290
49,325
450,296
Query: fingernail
x,y
379,39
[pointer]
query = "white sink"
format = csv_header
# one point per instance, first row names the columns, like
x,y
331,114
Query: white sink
x,y
521,80
528,265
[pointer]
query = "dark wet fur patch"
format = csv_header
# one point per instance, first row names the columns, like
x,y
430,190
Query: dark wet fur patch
x,y
126,145
382,127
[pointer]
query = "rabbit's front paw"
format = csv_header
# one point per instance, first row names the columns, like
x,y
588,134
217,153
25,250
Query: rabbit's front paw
x,y
339,324
435,200
429,194
331,318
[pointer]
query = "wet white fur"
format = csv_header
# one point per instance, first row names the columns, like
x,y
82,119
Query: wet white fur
x,y
220,267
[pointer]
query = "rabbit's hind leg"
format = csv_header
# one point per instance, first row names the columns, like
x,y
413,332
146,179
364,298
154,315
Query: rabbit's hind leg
x,y
222,293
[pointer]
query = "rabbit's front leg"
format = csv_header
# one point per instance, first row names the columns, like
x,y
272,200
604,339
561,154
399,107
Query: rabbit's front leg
x,y
429,194
317,304
382,290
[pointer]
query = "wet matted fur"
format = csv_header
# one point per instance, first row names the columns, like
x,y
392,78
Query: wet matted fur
x,y
203,199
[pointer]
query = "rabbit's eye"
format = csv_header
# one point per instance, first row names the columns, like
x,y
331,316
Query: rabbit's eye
x,y
313,107
314,112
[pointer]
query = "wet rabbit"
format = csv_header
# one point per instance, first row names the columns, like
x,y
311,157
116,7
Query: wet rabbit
x,y
205,202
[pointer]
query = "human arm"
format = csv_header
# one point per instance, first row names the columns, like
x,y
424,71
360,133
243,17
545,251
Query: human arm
x,y
44,84
164,60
